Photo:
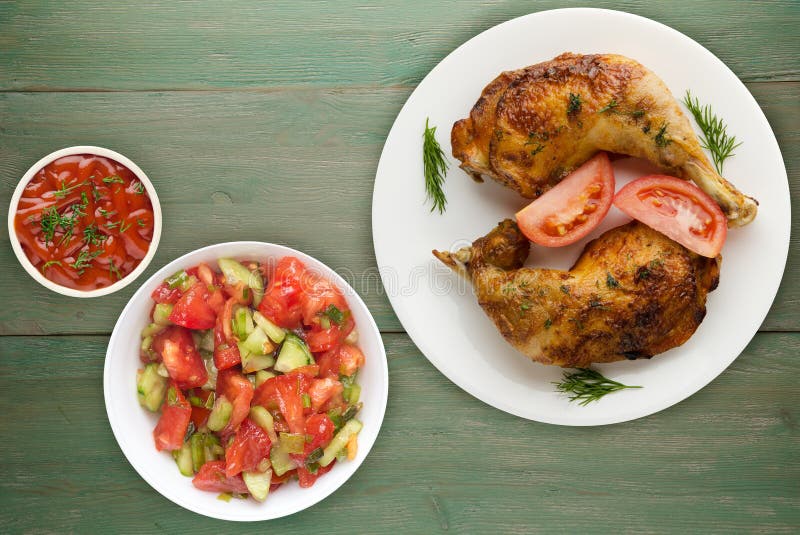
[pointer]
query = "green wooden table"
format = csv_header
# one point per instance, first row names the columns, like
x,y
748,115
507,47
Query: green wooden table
x,y
265,121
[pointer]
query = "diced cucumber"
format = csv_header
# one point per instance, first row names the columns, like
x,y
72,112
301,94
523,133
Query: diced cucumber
x,y
253,363
161,314
263,375
235,273
352,338
220,414
294,354
181,280
280,459
292,442
265,421
352,393
258,483
183,457
151,387
197,442
208,360
258,342
275,333
242,323
339,441
207,341
147,341
152,330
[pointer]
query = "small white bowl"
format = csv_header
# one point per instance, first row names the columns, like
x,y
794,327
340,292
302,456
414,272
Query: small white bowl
x,y
133,425
106,153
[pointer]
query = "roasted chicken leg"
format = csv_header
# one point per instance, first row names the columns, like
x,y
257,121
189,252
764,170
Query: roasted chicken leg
x,y
531,127
633,293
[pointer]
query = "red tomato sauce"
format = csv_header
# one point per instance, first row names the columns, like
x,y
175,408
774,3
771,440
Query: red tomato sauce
x,y
84,221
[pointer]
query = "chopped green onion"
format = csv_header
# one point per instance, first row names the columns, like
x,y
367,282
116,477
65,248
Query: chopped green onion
x,y
306,401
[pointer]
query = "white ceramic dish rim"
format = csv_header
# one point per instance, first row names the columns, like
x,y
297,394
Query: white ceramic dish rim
x,y
364,445
405,315
70,151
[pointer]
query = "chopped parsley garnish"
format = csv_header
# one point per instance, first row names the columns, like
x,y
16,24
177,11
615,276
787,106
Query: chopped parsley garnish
x,y
92,236
123,226
608,107
611,282
138,188
539,148
564,288
139,222
574,105
547,323
661,138
334,314
525,306
50,263
112,269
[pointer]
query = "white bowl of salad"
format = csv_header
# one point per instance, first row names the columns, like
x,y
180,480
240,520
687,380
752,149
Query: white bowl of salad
x,y
245,381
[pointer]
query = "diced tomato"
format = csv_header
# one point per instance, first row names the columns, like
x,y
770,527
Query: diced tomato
x,y
281,298
320,340
239,391
226,356
320,427
573,208
216,300
164,294
312,370
351,359
307,479
175,415
206,274
678,209
200,414
319,294
284,392
180,356
211,477
250,445
321,390
240,292
192,309
328,363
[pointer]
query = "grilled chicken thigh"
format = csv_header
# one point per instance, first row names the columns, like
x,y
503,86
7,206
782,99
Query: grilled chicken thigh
x,y
633,293
531,127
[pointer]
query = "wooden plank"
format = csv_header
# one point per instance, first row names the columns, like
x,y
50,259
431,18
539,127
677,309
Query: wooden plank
x,y
199,45
293,167
722,461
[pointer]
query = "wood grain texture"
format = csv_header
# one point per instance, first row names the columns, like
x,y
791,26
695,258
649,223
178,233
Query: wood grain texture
x,y
291,166
722,461
81,45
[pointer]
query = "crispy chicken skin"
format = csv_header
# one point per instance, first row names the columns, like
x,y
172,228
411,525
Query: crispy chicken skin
x,y
633,293
532,126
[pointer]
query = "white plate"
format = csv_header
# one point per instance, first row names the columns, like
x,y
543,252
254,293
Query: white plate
x,y
440,313
133,426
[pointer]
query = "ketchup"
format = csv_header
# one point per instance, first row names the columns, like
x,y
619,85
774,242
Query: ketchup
x,y
84,221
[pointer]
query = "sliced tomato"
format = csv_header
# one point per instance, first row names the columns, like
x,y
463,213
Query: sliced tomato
x,y
180,356
321,390
678,209
307,479
320,428
281,301
216,300
211,477
192,309
164,294
250,445
239,391
319,340
175,415
573,207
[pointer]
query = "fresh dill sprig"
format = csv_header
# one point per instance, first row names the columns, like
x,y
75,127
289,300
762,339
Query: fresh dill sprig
x,y
715,136
84,259
435,168
113,179
587,385
113,271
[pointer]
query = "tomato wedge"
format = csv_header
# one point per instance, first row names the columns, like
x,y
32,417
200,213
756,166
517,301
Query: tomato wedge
x,y
678,209
239,391
573,208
